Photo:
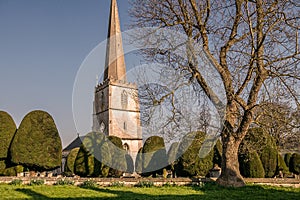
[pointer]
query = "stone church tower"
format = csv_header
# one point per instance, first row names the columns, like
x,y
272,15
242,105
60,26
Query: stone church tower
x,y
116,105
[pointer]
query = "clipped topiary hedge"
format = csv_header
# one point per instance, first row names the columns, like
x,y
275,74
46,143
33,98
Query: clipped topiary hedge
x,y
119,164
13,171
129,163
269,160
87,162
101,156
172,153
69,166
295,164
37,144
84,163
218,153
139,162
281,166
251,165
172,157
287,158
260,141
189,163
7,132
154,156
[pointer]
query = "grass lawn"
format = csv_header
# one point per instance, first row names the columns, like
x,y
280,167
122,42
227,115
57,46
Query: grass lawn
x,y
206,192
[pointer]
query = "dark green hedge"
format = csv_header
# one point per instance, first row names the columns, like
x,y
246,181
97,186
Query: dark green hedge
x,y
218,153
139,162
251,165
281,165
7,132
269,160
37,144
295,163
119,164
262,142
69,166
84,163
129,163
154,156
87,162
189,163
101,156
172,153
287,158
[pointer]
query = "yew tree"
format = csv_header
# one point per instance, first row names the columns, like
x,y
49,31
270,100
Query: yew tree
x,y
37,144
252,45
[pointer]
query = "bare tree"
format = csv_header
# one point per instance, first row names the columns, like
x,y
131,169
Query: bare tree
x,y
280,120
253,45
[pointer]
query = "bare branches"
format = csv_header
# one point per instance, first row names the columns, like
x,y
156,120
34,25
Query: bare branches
x,y
247,41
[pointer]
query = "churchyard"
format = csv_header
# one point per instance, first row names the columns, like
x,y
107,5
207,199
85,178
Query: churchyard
x,y
90,191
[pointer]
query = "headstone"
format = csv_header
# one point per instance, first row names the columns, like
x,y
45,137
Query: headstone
x,y
215,172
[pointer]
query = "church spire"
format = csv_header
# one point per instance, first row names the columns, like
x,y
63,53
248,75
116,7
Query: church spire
x,y
115,62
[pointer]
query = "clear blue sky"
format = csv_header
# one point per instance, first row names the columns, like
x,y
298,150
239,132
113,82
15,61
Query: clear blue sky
x,y
42,45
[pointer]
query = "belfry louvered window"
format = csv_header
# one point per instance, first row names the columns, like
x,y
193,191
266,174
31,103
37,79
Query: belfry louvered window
x,y
124,99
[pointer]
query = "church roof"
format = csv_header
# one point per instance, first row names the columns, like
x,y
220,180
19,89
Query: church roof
x,y
74,144
115,62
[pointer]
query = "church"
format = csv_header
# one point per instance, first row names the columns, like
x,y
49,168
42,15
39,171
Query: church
x,y
116,105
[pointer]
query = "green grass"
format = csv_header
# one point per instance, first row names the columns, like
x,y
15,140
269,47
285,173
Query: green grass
x,y
206,192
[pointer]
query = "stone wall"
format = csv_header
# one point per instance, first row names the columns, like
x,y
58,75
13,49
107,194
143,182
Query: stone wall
x,y
156,181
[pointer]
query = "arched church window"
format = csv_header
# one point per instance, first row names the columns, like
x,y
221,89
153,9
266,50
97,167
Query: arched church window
x,y
124,99
102,101
102,127
126,147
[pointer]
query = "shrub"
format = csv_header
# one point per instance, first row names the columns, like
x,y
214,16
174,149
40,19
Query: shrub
x,y
16,182
269,160
89,184
294,164
117,184
218,153
37,144
37,182
144,184
7,131
13,171
172,153
260,141
154,156
129,163
119,164
169,184
64,182
287,158
84,163
87,162
69,167
139,162
251,165
190,164
281,165
172,157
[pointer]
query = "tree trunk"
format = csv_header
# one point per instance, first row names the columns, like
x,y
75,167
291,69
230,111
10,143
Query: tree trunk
x,y
230,175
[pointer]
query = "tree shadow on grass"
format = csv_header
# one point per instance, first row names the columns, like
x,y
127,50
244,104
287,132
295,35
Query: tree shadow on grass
x,y
32,194
208,191
120,195
214,191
